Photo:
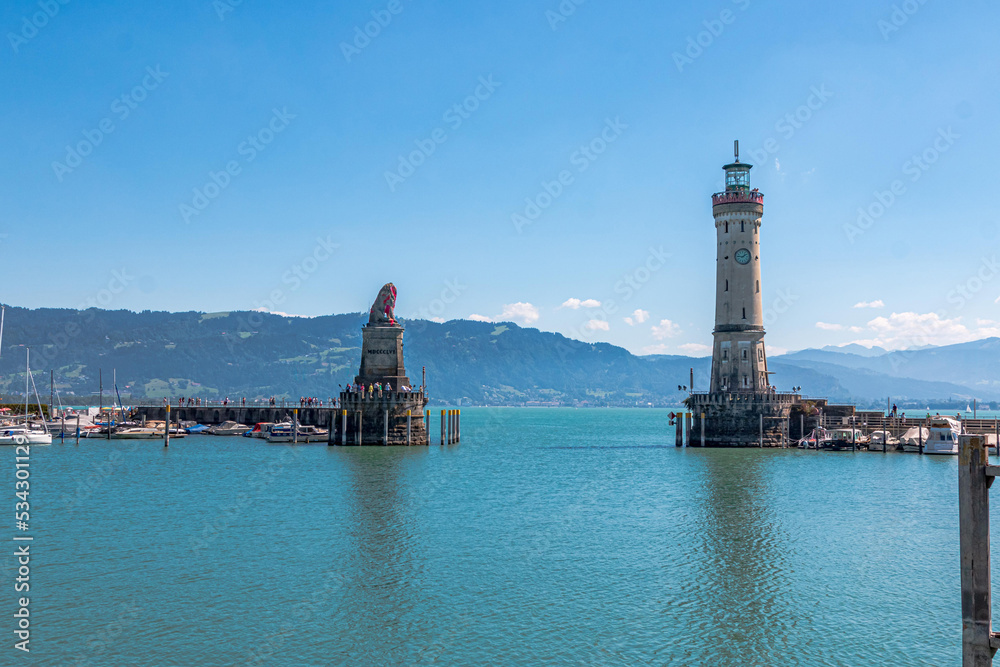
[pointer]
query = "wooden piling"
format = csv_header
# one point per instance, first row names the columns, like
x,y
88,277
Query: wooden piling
x,y
78,429
62,432
761,441
166,429
385,428
442,428
974,479
359,428
343,428
295,426
678,431
458,426
330,431
408,415
702,429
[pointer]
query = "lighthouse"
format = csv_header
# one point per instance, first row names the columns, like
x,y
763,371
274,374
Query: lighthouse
x,y
739,361
741,408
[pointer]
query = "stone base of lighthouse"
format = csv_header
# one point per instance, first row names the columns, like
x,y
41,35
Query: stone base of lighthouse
x,y
740,419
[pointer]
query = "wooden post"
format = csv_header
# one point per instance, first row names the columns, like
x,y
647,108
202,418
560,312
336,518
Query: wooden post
x,y
78,429
702,429
688,427
761,444
458,425
996,428
442,428
385,429
920,437
330,431
974,529
678,432
295,426
62,433
166,429
427,425
802,426
408,415
359,428
343,428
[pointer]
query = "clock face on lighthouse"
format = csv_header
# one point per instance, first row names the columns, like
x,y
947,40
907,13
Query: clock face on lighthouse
x,y
743,256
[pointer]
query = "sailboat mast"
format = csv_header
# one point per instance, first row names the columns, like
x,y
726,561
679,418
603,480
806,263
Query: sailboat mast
x,y
2,309
27,367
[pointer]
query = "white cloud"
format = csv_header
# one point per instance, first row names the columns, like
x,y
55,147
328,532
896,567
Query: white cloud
x,y
520,312
659,348
996,300
576,304
856,329
593,325
878,303
480,318
638,316
777,165
826,326
774,350
439,320
695,348
665,329
904,330
280,313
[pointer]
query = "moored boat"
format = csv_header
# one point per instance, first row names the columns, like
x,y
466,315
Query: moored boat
x,y
283,433
942,436
229,428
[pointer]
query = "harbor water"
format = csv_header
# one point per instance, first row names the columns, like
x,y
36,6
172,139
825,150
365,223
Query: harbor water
x,y
548,536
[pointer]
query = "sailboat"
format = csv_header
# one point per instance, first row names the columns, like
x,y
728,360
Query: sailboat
x,y
25,434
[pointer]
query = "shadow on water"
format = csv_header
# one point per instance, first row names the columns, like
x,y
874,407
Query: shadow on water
x,y
745,557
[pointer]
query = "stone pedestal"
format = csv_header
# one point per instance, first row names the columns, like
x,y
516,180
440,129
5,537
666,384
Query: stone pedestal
x,y
733,419
382,356
369,411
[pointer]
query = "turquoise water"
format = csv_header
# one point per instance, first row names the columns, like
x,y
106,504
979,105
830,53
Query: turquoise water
x,y
548,536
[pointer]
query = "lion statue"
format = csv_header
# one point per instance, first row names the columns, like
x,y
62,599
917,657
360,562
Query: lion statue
x,y
382,312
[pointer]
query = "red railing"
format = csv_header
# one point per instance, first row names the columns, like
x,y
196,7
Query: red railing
x,y
752,197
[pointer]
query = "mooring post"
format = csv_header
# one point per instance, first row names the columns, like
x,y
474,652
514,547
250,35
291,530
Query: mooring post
x,y
343,428
458,426
678,432
385,428
802,426
442,428
78,429
295,426
62,433
427,425
688,427
359,428
974,479
761,443
702,429
920,437
408,414
166,429
330,431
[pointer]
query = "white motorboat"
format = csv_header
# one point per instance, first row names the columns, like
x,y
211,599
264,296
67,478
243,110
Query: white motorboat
x,y
137,433
913,437
943,436
881,441
283,433
229,428
260,430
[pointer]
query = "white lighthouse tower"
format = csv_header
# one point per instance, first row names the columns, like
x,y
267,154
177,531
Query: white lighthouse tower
x,y
739,362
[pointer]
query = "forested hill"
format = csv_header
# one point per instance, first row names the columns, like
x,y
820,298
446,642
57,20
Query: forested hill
x,y
258,354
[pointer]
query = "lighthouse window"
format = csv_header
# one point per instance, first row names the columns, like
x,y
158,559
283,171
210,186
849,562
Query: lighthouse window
x,y
725,355
744,354
727,284
727,227
744,312
741,225
746,381
760,354
758,287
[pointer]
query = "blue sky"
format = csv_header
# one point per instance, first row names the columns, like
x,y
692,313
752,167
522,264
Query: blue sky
x,y
502,159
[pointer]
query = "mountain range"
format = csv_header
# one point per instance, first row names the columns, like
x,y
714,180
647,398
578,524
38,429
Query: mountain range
x,y
254,354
